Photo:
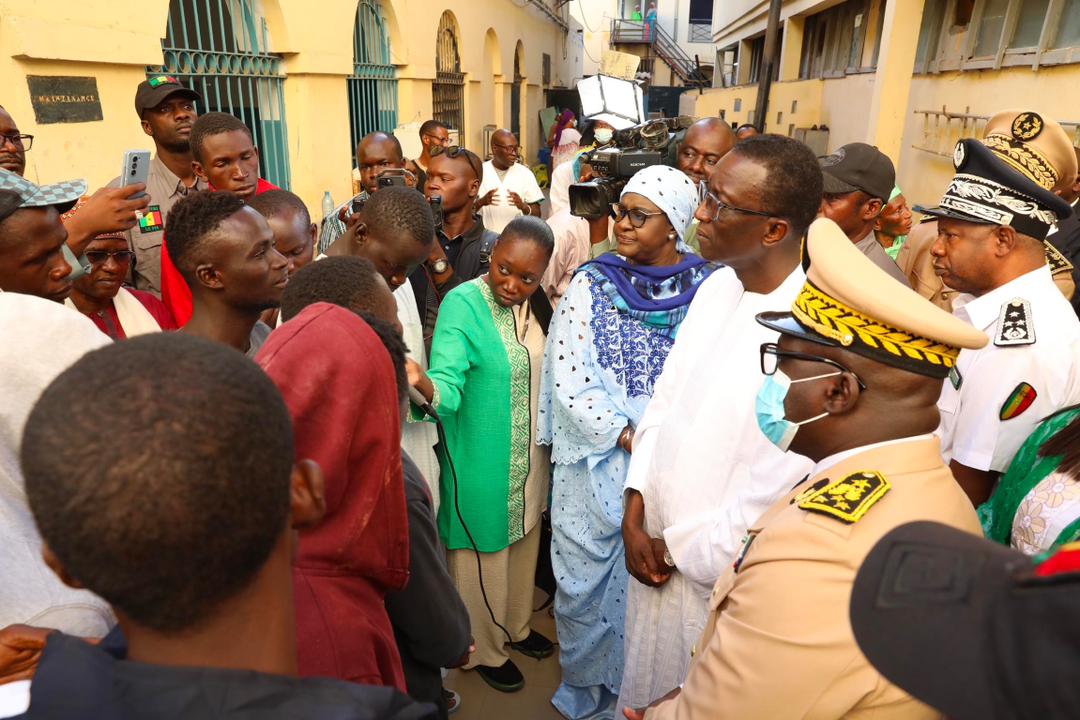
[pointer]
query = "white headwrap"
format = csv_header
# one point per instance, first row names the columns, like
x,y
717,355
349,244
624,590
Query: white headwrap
x,y
670,190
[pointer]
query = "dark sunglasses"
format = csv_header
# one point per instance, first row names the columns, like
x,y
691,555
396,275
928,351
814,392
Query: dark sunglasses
x,y
455,151
771,355
637,217
99,257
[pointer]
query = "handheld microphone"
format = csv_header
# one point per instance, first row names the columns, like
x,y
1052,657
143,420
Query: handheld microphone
x,y
421,402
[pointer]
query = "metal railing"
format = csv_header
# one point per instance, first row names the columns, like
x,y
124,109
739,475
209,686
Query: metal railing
x,y
631,32
372,87
942,129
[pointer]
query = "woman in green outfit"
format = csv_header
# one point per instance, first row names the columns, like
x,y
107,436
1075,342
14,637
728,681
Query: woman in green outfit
x,y
483,382
1036,506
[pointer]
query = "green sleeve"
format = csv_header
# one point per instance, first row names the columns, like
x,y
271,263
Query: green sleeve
x,y
451,348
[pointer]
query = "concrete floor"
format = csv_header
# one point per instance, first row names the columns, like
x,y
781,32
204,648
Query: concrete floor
x,y
479,701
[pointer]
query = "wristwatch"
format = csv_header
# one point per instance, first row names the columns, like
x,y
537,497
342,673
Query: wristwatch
x,y
439,266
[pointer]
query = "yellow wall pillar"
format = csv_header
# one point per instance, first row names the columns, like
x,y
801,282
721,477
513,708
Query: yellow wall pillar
x,y
791,49
892,83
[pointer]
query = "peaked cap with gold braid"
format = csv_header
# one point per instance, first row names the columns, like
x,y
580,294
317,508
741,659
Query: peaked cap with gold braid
x,y
850,302
1034,145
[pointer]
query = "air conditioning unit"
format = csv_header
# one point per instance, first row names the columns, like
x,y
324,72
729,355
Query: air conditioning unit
x,y
814,138
489,130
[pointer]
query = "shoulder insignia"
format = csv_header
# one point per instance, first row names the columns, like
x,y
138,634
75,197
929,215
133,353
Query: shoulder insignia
x,y
814,487
1015,325
1058,262
1019,400
848,499
956,378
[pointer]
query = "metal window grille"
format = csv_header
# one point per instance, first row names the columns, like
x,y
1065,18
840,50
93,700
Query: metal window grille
x,y
372,87
448,89
515,100
699,32
220,49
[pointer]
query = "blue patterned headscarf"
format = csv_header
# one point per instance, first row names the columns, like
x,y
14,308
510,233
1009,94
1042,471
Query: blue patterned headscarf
x,y
671,191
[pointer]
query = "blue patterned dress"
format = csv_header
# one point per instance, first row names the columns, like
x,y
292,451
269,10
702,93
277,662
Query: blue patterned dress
x,y
606,347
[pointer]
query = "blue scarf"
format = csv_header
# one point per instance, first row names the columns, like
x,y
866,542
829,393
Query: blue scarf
x,y
658,296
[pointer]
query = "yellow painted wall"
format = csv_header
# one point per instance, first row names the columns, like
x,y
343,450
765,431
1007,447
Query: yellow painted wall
x,y
114,40
845,108
1051,92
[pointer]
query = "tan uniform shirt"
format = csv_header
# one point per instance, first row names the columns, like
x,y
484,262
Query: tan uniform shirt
x,y
165,190
779,642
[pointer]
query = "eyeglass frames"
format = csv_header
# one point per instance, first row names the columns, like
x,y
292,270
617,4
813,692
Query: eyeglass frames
x,y
771,355
100,257
637,217
714,205
20,141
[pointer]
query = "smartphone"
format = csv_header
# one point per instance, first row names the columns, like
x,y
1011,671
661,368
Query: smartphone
x,y
393,177
436,211
136,169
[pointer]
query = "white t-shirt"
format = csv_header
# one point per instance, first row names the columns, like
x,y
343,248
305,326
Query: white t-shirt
x,y
501,211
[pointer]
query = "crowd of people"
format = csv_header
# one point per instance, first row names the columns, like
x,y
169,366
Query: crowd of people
x,y
754,420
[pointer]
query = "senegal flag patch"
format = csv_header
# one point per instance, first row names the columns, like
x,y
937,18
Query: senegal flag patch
x,y
151,220
1019,400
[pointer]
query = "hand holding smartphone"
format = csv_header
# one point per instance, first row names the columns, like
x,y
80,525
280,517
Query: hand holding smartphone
x,y
136,169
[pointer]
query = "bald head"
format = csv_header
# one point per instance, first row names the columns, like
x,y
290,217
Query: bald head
x,y
504,149
378,151
706,141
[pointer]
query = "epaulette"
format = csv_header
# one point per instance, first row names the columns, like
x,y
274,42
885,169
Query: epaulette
x,y
848,499
1015,325
1058,262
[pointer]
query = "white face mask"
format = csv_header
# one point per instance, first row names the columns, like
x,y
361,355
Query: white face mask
x,y
603,135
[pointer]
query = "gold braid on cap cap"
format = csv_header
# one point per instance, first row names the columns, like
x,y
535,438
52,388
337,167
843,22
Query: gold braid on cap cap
x,y
830,318
1022,156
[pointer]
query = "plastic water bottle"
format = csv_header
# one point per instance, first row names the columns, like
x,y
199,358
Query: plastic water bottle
x,y
327,205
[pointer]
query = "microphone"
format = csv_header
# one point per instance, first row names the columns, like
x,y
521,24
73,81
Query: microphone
x,y
421,402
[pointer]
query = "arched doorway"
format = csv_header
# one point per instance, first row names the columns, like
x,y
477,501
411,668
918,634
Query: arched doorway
x,y
515,91
448,88
373,85
220,48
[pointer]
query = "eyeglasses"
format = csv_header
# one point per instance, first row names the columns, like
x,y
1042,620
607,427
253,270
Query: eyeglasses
x,y
714,205
507,148
23,142
437,139
455,151
100,257
637,217
771,355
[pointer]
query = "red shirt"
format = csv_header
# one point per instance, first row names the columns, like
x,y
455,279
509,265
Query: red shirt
x,y
175,292
109,321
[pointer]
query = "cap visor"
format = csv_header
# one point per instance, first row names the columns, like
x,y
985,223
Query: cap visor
x,y
921,611
835,186
938,211
786,324
62,196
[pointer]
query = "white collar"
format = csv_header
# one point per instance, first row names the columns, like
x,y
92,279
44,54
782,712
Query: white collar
x,y
833,460
983,311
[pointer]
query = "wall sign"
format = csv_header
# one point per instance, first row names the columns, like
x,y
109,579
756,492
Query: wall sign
x,y
60,99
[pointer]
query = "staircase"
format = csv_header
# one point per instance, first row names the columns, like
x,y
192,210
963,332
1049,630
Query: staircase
x,y
634,32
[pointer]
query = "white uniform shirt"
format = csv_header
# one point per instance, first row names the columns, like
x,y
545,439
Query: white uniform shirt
x,y
705,470
501,211
971,430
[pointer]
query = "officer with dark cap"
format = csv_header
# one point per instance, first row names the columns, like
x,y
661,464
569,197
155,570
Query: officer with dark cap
x,y
852,384
992,222
166,109
975,629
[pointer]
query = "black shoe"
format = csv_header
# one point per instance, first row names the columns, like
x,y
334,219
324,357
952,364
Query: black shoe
x,y
535,646
505,678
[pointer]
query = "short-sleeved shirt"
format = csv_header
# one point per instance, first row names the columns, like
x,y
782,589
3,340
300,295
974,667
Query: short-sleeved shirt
x,y
165,189
1000,392
258,336
517,178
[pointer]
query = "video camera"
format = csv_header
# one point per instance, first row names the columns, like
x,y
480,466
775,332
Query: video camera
x,y
629,151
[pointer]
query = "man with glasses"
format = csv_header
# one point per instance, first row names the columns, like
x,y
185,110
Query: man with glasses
x,y
107,210
508,189
166,111
852,384
701,471
117,311
434,136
